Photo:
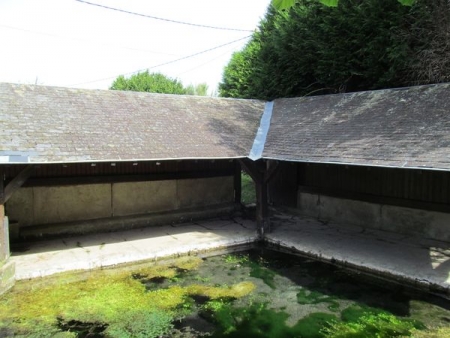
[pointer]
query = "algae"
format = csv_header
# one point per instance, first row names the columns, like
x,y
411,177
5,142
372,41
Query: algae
x,y
117,305
265,295
315,297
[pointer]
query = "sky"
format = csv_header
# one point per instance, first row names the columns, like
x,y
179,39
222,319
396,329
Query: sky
x,y
70,43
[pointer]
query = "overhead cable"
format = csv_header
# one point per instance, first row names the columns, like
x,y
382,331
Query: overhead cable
x,y
163,19
85,40
163,64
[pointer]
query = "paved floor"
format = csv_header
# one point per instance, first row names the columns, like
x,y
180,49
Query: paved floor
x,y
43,258
405,258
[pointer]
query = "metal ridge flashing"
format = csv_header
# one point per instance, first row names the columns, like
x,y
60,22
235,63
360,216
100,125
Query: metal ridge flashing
x,y
261,134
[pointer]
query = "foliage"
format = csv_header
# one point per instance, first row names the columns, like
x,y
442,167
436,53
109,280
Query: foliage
x,y
248,189
360,45
200,89
148,82
157,83
285,4
381,325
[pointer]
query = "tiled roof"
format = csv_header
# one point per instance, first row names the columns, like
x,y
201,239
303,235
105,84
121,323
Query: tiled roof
x,y
408,127
51,124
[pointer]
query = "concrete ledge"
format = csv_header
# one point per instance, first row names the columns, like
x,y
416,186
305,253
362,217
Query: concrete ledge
x,y
78,253
124,223
7,276
412,260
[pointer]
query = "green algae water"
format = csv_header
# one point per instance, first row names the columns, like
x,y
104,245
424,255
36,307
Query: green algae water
x,y
254,293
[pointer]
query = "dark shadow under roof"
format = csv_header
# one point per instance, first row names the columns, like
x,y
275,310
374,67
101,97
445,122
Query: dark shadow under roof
x,y
407,127
50,124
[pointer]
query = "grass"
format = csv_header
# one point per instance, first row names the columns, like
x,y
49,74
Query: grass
x,y
248,189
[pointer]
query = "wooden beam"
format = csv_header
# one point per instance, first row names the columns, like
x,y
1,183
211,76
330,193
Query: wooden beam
x,y
2,190
271,171
79,180
237,183
16,183
257,171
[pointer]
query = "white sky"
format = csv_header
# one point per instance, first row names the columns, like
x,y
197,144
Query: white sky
x,y
71,44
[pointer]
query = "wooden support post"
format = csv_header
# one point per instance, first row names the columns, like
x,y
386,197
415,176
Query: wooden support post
x,y
256,171
237,183
7,268
2,190
261,175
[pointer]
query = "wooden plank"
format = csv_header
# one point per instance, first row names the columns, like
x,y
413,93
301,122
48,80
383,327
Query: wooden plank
x,y
16,183
80,180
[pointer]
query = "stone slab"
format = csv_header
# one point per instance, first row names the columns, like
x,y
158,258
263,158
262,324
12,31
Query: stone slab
x,y
99,250
7,279
412,259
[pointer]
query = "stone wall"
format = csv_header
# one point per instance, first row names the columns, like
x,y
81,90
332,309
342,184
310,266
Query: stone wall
x,y
429,224
48,205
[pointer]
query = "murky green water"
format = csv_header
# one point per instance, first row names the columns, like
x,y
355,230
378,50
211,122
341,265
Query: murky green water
x,y
256,293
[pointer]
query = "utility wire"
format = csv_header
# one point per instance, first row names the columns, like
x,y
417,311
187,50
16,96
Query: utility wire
x,y
205,63
163,64
162,19
85,40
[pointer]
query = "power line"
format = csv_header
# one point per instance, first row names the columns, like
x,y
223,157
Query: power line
x,y
163,19
205,63
165,63
85,40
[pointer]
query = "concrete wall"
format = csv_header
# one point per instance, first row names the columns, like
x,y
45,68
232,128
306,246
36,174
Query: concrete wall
x,y
47,205
430,224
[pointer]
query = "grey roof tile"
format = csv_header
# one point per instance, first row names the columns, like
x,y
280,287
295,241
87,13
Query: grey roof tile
x,y
52,124
406,127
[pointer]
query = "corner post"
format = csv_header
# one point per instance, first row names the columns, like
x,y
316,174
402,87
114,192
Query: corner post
x,y
7,268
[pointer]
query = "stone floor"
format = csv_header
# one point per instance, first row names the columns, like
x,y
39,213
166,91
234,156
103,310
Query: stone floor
x,y
43,258
412,259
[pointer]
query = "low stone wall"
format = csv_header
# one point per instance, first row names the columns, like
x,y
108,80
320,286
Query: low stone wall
x,y
429,224
50,205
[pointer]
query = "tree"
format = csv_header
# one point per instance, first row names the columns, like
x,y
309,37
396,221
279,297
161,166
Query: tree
x,y
157,83
148,82
312,49
201,89
286,4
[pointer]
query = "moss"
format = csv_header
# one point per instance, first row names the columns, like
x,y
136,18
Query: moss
x,y
235,291
380,325
259,321
312,326
443,332
117,302
315,297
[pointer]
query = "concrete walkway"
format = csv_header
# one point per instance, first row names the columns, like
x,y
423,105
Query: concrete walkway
x,y
421,262
43,258
415,260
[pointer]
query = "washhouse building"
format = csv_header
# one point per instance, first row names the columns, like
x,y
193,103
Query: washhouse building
x,y
76,161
